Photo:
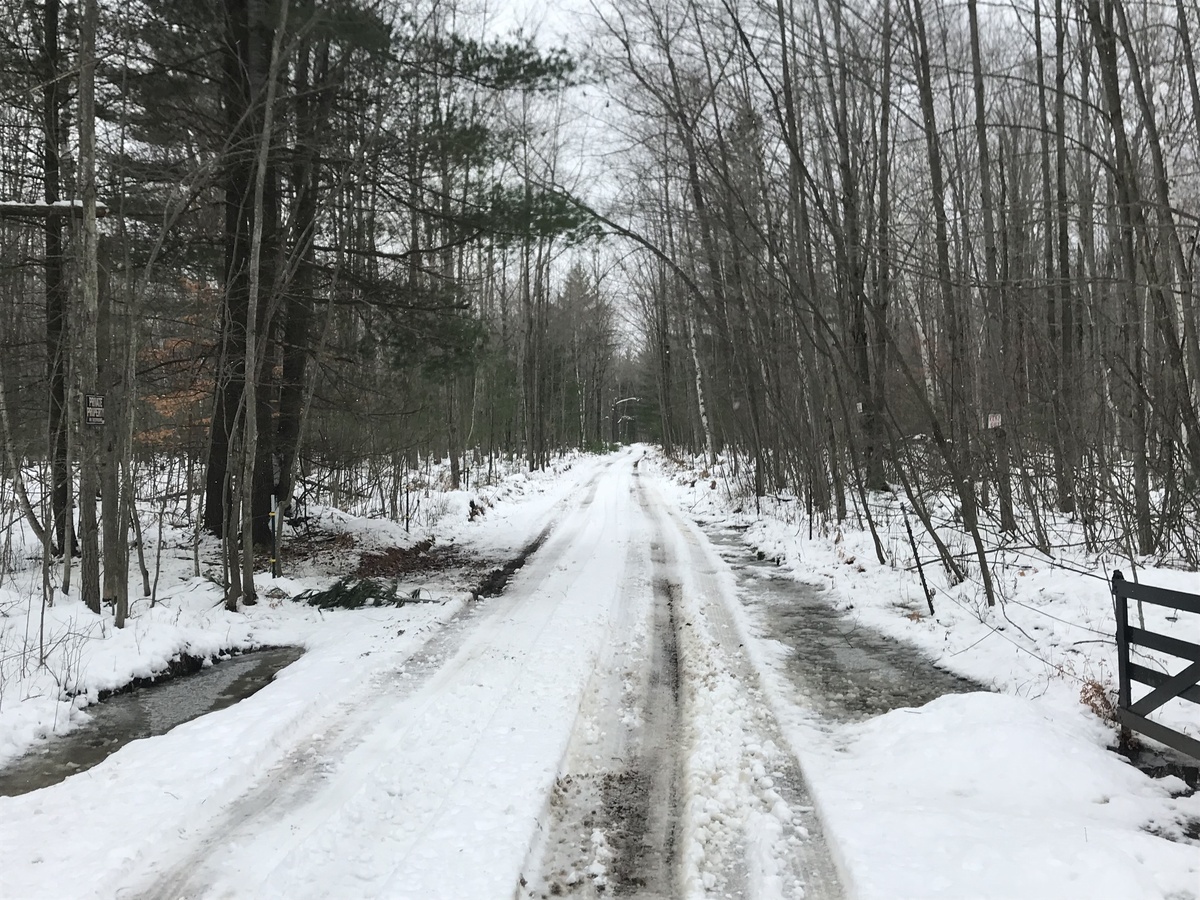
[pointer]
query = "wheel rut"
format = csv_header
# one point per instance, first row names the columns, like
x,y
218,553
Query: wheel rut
x,y
299,777
611,827
642,802
770,843
636,811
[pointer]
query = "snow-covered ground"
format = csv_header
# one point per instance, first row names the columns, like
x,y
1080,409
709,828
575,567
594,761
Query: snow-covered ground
x,y
368,731
1005,793
429,750
85,656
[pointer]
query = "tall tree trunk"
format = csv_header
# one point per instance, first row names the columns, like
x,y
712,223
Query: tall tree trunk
x,y
993,355
1190,289
1068,375
883,263
1066,500
1179,359
238,175
89,575
956,454
251,405
1101,23
109,461
56,288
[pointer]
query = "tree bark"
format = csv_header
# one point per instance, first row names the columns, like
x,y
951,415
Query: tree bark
x,y
89,573
56,288
249,461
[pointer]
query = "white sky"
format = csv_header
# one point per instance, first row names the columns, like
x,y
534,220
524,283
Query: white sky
x,y
556,22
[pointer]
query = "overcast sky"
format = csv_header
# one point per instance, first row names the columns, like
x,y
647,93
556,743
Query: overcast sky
x,y
556,22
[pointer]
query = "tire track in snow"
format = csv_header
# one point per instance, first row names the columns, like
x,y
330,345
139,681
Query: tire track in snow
x,y
309,786
675,783
299,778
749,826
570,593
649,865
610,827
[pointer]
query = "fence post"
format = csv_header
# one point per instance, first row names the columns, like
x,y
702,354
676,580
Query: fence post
x,y
1121,610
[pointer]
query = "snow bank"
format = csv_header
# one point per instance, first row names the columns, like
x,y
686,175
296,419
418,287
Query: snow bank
x,y
991,796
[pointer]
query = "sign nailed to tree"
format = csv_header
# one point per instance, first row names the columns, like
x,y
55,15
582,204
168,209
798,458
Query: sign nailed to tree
x,y
93,409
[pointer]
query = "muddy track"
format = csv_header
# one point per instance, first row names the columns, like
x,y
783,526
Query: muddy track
x,y
611,825
494,583
642,802
807,869
617,821
611,830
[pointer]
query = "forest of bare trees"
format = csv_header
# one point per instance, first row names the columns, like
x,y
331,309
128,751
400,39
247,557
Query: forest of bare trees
x,y
258,252
255,253
933,247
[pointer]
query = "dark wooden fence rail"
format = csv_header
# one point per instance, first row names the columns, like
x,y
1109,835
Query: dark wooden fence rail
x,y
1134,715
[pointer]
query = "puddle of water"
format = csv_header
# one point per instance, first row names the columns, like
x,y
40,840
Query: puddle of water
x,y
142,713
845,671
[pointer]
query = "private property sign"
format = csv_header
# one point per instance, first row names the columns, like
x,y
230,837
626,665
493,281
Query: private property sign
x,y
93,409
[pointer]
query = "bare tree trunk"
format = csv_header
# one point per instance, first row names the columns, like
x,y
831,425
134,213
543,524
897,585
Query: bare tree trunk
x,y
1123,180
956,458
115,536
53,94
710,453
250,400
138,532
883,280
1189,289
993,355
89,575
1180,360
14,463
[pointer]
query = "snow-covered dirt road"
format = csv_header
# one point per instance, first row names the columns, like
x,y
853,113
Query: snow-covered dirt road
x,y
594,727
629,718
675,783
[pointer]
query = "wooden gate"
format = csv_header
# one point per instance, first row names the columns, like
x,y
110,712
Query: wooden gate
x,y
1134,714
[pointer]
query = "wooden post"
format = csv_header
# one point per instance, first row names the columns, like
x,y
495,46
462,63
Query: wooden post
x,y
1121,610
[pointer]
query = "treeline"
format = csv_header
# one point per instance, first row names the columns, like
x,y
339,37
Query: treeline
x,y
274,235
941,247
